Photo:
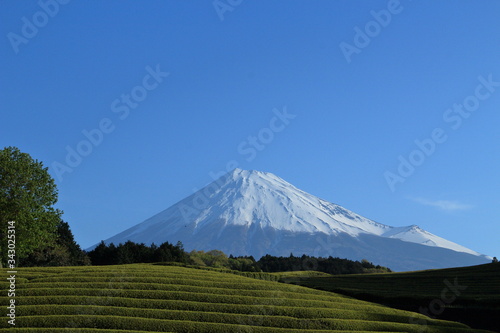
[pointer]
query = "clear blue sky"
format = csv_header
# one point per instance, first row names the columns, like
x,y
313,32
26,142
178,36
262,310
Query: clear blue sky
x,y
360,102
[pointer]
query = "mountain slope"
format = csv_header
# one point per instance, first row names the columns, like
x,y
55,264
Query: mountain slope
x,y
255,213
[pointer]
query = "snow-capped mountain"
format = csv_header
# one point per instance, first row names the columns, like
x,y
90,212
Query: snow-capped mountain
x,y
257,213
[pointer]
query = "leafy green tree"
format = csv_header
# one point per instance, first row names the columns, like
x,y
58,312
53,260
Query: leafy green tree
x,y
64,252
27,196
244,264
213,258
53,255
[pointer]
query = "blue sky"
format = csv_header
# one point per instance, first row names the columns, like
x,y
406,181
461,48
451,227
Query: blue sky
x,y
172,91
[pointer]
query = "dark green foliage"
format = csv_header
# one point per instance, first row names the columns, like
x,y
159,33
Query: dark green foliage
x,y
52,255
103,254
328,265
218,259
66,239
130,252
244,264
64,252
27,196
477,304
169,252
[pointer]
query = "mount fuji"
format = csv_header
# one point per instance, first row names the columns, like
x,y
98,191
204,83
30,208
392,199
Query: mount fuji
x,y
257,213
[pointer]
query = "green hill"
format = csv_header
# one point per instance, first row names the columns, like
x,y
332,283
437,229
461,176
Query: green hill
x,y
146,298
468,294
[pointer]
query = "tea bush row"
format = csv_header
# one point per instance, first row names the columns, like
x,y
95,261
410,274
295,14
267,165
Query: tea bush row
x,y
148,287
271,319
161,325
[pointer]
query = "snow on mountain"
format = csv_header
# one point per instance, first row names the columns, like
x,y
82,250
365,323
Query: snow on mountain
x,y
415,234
256,197
255,213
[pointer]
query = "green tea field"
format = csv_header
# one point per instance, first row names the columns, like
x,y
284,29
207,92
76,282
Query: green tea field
x,y
467,294
149,298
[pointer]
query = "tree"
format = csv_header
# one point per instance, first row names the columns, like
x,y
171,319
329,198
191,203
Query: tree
x,y
64,252
65,238
98,254
52,255
27,196
495,260
104,254
130,252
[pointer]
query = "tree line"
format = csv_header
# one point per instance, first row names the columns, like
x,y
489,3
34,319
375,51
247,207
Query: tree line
x,y
130,253
328,265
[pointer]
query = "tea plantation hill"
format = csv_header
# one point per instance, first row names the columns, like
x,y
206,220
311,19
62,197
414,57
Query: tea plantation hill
x,y
155,298
469,294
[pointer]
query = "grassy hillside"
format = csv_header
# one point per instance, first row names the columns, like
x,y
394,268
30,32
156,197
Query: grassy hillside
x,y
151,298
469,294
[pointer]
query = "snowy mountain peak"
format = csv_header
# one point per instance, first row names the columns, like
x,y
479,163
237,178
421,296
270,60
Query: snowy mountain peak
x,y
254,197
248,212
247,176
